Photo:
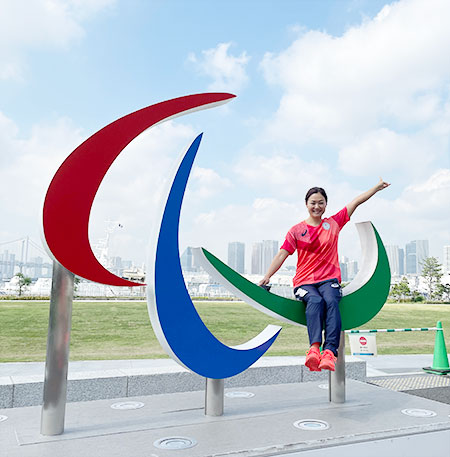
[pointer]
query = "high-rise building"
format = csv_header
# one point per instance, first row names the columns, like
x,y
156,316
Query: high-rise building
x,y
411,258
344,273
352,269
236,256
115,265
3,263
7,264
394,259
256,268
416,253
446,263
422,254
269,251
37,263
401,261
187,261
126,264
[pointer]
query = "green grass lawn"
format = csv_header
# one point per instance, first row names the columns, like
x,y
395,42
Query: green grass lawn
x,y
116,330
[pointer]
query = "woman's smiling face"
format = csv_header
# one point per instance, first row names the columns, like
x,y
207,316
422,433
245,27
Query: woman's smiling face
x,y
316,205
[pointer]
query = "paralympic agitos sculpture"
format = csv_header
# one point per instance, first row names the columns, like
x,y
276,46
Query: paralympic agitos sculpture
x,y
174,319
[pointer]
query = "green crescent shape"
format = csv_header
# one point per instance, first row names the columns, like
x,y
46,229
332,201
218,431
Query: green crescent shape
x,y
362,299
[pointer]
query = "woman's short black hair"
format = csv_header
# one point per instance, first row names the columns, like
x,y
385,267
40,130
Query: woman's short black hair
x,y
316,190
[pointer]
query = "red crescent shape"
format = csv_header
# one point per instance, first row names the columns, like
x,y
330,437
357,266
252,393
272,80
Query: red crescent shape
x,y
69,198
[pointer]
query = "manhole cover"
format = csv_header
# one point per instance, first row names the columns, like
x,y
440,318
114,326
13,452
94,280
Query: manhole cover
x,y
3,418
419,412
128,405
311,424
239,394
175,442
323,386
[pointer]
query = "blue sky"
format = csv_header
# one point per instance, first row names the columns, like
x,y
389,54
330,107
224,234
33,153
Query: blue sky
x,y
329,93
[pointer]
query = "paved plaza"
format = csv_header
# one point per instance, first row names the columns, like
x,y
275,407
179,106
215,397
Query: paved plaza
x,y
292,418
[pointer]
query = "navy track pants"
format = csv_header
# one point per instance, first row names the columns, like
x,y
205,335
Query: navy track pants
x,y
322,312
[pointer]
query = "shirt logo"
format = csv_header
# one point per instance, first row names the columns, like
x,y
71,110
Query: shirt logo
x,y
305,232
326,226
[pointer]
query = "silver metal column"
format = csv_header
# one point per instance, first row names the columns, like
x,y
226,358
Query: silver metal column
x,y
56,365
214,394
336,380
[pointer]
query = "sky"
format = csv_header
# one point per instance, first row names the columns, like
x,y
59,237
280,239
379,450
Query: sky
x,y
329,93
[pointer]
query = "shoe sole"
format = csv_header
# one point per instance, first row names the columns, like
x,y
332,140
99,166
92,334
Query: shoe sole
x,y
329,368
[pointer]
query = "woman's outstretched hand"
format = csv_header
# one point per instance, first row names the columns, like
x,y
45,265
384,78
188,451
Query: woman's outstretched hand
x,y
366,195
382,184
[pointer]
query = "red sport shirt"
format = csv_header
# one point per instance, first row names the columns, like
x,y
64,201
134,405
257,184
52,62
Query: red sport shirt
x,y
317,249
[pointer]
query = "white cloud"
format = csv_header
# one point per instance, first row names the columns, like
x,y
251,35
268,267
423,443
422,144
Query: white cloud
x,y
8,135
227,71
206,183
27,166
386,71
30,24
384,152
419,212
281,173
85,9
429,200
440,182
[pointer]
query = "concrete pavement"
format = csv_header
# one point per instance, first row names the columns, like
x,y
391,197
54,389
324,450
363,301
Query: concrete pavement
x,y
289,419
373,420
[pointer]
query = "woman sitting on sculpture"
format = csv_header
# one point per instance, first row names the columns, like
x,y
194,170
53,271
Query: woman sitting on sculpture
x,y
318,275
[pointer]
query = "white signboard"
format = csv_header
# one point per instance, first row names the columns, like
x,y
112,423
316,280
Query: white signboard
x,y
363,343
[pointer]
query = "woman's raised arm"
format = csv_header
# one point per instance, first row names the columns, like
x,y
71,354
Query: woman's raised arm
x,y
365,196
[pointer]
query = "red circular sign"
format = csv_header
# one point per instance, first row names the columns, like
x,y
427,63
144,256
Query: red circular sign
x,y
362,341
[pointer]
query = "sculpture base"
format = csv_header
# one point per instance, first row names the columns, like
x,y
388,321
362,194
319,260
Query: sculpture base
x,y
275,420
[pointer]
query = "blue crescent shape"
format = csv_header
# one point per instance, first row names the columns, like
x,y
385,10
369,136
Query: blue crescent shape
x,y
174,318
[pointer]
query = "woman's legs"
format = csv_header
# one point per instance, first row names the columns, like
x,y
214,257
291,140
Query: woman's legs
x,y
330,291
322,310
315,312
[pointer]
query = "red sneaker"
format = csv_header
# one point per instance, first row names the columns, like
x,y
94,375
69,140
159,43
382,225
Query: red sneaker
x,y
327,360
313,359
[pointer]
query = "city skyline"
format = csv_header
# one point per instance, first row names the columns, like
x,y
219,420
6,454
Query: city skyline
x,y
408,260
40,265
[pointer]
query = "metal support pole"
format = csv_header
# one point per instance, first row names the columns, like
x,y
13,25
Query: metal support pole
x,y
56,365
336,380
214,394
